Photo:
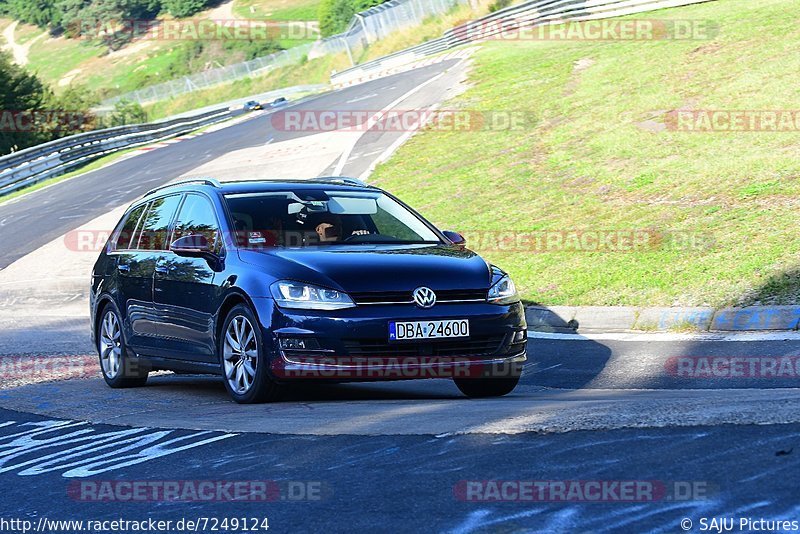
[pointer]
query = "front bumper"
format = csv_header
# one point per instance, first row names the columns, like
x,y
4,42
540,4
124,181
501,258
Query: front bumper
x,y
352,344
389,368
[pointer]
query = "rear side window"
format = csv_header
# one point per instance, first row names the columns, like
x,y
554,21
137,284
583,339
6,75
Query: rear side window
x,y
156,223
129,228
197,217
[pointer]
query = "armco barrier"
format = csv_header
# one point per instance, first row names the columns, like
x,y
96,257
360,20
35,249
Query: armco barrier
x,y
528,14
40,162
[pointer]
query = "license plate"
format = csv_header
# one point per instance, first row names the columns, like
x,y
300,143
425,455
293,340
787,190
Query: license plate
x,y
403,330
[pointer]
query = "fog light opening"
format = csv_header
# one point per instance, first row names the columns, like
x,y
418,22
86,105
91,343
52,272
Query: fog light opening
x,y
299,343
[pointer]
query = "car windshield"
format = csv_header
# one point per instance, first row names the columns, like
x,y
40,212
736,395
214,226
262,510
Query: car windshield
x,y
323,218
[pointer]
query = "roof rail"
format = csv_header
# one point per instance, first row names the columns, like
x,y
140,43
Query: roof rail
x,y
206,181
344,180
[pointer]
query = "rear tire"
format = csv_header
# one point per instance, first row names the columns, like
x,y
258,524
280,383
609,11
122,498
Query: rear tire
x,y
243,359
118,368
477,388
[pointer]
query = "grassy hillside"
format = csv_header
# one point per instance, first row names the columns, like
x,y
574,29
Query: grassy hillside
x,y
61,62
597,156
277,9
312,72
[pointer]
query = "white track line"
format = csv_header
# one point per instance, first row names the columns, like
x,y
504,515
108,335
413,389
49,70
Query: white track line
x,y
374,120
391,149
668,336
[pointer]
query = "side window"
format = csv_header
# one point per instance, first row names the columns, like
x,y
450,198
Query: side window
x,y
126,234
197,218
156,222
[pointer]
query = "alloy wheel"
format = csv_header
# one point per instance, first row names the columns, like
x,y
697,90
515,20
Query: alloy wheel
x,y
110,345
240,354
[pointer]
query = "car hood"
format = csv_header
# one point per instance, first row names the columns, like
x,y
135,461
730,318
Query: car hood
x,y
360,268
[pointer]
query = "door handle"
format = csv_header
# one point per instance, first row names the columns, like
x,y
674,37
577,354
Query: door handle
x,y
124,267
162,269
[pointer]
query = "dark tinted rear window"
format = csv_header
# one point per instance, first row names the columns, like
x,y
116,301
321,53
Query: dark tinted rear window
x,y
197,217
128,229
156,223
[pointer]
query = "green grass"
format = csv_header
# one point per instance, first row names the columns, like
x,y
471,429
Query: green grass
x,y
276,9
52,59
589,159
312,72
26,32
141,63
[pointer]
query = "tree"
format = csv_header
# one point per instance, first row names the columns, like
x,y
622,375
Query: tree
x,y
88,19
126,112
39,12
183,8
143,9
335,15
19,92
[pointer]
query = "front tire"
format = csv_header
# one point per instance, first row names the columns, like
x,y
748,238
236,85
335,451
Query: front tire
x,y
243,361
477,388
118,368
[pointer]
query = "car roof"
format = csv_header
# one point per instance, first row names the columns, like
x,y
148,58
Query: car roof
x,y
334,183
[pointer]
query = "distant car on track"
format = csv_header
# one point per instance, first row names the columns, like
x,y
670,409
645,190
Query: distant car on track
x,y
278,102
266,283
252,106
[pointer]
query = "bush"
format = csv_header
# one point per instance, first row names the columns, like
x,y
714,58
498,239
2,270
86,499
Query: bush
x,y
498,5
335,15
183,8
126,112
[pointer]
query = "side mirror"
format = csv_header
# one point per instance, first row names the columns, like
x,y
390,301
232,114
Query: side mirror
x,y
455,238
192,246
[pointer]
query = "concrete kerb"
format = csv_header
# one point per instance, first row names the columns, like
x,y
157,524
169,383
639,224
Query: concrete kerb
x,y
626,318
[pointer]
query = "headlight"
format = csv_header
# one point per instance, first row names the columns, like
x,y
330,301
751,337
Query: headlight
x,y
305,296
503,291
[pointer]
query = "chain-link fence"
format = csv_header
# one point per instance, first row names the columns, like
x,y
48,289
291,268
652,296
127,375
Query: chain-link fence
x,y
212,77
366,27
380,21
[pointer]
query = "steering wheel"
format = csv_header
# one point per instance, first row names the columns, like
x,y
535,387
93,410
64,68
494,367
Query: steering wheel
x,y
353,237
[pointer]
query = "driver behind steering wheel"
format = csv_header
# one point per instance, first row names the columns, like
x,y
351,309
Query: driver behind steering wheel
x,y
329,229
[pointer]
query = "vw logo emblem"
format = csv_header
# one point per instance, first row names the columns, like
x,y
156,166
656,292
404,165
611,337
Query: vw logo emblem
x,y
424,297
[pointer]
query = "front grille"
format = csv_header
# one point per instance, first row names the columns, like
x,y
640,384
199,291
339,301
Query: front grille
x,y
471,347
405,297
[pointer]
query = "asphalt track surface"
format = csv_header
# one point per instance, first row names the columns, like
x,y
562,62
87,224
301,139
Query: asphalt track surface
x,y
391,457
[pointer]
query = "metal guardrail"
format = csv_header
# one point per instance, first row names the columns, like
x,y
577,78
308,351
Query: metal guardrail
x,y
44,161
528,14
